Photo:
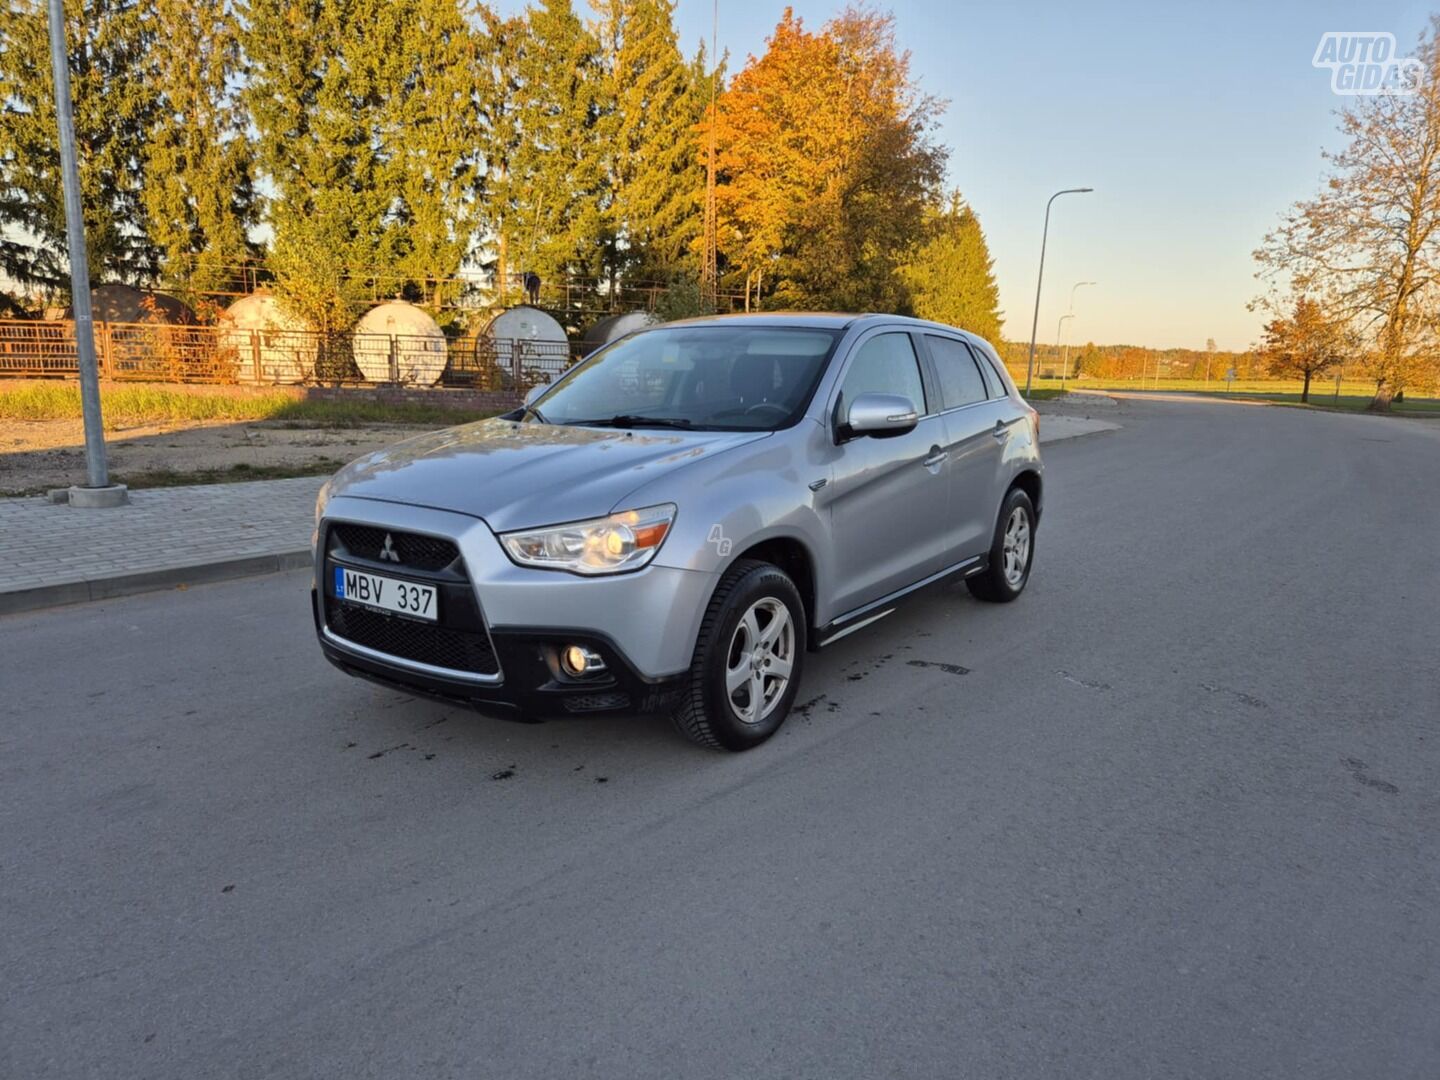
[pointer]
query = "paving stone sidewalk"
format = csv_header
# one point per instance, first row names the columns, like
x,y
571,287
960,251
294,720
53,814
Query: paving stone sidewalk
x,y
57,554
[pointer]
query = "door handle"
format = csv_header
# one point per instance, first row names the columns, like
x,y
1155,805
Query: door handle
x,y
1000,430
937,457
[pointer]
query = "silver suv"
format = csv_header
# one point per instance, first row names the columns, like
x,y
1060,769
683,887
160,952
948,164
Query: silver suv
x,y
673,523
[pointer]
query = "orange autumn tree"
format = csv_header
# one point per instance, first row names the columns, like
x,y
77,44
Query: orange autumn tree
x,y
826,165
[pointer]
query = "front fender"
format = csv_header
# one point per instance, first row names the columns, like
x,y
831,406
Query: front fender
x,y
744,497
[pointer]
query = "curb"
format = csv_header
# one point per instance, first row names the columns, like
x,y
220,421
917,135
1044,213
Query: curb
x,y
1079,435
108,588
1104,428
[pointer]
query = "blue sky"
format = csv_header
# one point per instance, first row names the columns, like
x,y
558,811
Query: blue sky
x,y
1196,123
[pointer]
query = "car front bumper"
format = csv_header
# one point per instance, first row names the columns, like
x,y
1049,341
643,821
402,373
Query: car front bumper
x,y
643,624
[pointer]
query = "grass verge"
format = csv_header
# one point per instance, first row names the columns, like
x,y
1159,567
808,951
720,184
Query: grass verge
x,y
342,414
1353,397
128,406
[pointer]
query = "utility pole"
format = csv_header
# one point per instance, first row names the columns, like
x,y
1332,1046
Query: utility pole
x,y
709,269
97,491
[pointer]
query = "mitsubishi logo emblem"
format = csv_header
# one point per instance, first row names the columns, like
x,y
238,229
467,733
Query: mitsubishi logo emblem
x,y
388,551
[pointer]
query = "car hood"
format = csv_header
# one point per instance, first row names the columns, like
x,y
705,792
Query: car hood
x,y
519,476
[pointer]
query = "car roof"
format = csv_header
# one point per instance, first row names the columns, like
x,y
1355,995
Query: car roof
x,y
817,320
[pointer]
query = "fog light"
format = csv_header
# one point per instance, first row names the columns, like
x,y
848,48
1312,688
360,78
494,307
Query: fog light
x,y
576,660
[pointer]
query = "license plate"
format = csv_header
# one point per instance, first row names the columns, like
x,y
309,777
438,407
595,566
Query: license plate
x,y
388,594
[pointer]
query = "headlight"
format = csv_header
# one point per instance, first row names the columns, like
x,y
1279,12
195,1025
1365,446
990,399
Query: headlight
x,y
320,502
624,541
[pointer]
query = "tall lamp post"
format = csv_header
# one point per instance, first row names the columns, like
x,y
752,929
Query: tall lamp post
x,y
97,491
1060,329
1044,236
1065,357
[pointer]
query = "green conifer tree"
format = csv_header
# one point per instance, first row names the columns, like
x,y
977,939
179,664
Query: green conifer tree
x,y
656,171
950,274
496,76
429,133
313,92
115,99
370,135
198,192
553,193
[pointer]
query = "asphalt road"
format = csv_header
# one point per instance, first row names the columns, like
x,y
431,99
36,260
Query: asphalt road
x,y
1173,814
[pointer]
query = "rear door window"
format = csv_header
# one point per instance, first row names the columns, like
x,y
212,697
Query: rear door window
x,y
960,380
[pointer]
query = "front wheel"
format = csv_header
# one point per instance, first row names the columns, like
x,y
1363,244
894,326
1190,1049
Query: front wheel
x,y
1011,552
748,659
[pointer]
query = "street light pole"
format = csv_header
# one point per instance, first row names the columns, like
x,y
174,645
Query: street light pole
x,y
1059,328
1076,287
98,491
1065,357
1039,280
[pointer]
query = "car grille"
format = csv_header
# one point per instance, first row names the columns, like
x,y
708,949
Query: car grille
x,y
416,552
425,643
459,641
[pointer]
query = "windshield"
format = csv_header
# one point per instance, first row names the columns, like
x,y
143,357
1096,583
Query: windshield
x,y
717,377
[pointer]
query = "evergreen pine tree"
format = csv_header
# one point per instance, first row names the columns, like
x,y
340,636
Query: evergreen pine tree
x,y
313,92
656,171
198,192
370,127
428,133
496,76
115,99
553,193
950,274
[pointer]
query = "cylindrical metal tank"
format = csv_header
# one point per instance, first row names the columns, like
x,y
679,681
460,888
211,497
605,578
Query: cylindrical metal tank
x,y
418,342
526,345
118,303
525,323
613,327
266,343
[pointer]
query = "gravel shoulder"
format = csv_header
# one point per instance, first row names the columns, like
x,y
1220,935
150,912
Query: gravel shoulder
x,y
36,455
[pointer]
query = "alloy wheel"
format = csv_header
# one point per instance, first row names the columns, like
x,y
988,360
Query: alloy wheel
x,y
1016,547
760,660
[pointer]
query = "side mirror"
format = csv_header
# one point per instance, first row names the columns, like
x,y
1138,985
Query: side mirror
x,y
880,415
535,391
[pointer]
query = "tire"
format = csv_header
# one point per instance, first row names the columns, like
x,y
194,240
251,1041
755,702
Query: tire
x,y
1002,582
717,711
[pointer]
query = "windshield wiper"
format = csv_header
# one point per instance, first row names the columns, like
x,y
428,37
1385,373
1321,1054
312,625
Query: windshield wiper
x,y
530,410
635,420
629,420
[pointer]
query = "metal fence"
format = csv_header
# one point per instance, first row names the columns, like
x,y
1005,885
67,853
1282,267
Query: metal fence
x,y
153,352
